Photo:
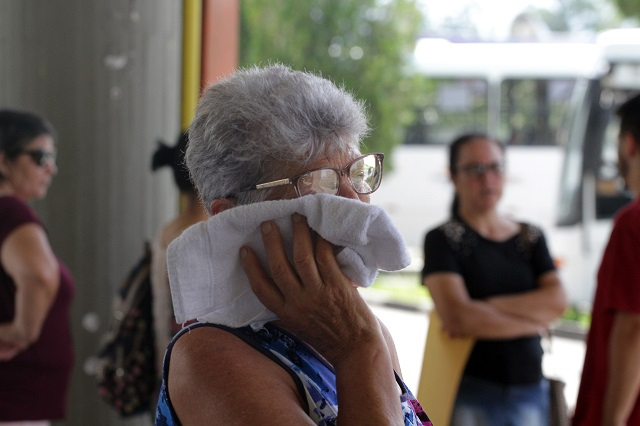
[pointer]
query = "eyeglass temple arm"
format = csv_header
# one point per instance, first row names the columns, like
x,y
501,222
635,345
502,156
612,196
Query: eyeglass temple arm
x,y
274,183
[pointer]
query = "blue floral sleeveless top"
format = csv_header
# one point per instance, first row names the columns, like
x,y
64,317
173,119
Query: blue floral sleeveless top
x,y
314,377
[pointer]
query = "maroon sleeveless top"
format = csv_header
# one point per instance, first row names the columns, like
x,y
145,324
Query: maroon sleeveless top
x,y
34,384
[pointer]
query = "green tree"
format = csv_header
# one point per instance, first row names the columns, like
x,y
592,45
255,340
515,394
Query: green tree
x,y
630,8
580,15
588,15
364,45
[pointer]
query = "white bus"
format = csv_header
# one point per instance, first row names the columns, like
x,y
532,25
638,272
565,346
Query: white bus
x,y
531,97
591,190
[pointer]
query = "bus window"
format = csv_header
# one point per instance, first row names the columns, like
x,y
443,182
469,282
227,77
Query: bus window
x,y
451,105
532,110
518,111
611,193
591,187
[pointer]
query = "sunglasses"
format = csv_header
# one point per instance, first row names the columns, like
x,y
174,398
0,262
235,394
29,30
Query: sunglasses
x,y
40,157
364,174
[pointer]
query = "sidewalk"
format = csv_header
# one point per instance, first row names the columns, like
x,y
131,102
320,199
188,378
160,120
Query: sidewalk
x,y
409,324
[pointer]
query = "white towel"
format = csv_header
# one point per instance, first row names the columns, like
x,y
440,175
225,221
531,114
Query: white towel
x,y
206,277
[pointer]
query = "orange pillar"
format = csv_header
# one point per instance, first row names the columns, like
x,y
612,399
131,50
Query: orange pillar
x,y
220,39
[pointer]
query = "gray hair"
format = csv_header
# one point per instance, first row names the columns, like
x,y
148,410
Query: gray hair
x,y
247,127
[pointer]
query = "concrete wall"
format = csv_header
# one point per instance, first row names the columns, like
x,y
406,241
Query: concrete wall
x,y
106,74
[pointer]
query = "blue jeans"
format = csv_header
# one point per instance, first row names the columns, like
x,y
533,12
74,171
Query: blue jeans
x,y
483,403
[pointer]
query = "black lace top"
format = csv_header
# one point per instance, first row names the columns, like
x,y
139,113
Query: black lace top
x,y
492,268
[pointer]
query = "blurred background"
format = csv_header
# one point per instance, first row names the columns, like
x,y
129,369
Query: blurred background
x,y
116,76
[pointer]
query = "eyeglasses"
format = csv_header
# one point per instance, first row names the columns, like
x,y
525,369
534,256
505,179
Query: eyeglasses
x,y
478,169
40,157
364,174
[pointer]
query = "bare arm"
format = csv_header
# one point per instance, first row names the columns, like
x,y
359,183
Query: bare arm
x,y
391,346
623,384
541,305
466,317
28,259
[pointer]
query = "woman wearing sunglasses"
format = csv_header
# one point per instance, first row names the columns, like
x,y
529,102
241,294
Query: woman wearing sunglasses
x,y
492,279
36,289
283,337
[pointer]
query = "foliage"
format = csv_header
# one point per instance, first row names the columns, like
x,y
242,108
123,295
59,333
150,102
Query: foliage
x,y
402,288
629,8
580,15
578,315
361,44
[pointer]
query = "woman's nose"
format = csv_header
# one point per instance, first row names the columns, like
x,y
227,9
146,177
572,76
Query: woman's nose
x,y
346,189
52,167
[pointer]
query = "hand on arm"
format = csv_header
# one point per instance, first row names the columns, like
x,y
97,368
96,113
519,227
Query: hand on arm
x,y
466,317
623,384
542,305
7,350
28,259
318,303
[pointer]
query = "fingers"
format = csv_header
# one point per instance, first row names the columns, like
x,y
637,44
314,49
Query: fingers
x,y
261,284
282,273
304,259
8,351
281,284
327,265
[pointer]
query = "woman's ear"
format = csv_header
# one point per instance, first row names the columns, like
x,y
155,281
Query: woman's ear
x,y
631,145
221,204
452,177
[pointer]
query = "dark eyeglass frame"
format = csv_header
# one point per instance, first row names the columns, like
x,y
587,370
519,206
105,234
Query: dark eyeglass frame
x,y
378,156
40,157
479,169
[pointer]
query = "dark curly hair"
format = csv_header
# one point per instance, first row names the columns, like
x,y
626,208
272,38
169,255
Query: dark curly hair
x,y
174,157
18,129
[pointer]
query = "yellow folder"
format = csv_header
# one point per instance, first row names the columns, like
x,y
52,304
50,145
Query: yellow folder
x,y
442,366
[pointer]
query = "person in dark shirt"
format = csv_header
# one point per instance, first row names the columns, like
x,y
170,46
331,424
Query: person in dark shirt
x,y
492,278
36,289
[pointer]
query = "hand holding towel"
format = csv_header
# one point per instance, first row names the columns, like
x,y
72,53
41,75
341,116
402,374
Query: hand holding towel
x,y
206,277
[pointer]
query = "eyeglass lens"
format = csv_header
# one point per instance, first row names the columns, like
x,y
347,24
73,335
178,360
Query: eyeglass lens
x,y
482,169
364,174
40,157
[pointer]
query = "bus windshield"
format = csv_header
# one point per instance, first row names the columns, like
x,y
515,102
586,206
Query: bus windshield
x,y
528,112
517,92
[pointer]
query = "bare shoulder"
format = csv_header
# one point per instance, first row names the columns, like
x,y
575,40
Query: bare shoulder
x,y
26,253
170,232
215,374
200,353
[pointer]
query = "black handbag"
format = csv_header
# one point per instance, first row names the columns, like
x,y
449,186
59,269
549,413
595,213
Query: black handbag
x,y
126,372
558,409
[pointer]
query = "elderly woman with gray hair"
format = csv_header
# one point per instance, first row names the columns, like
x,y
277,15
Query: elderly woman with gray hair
x,y
282,335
